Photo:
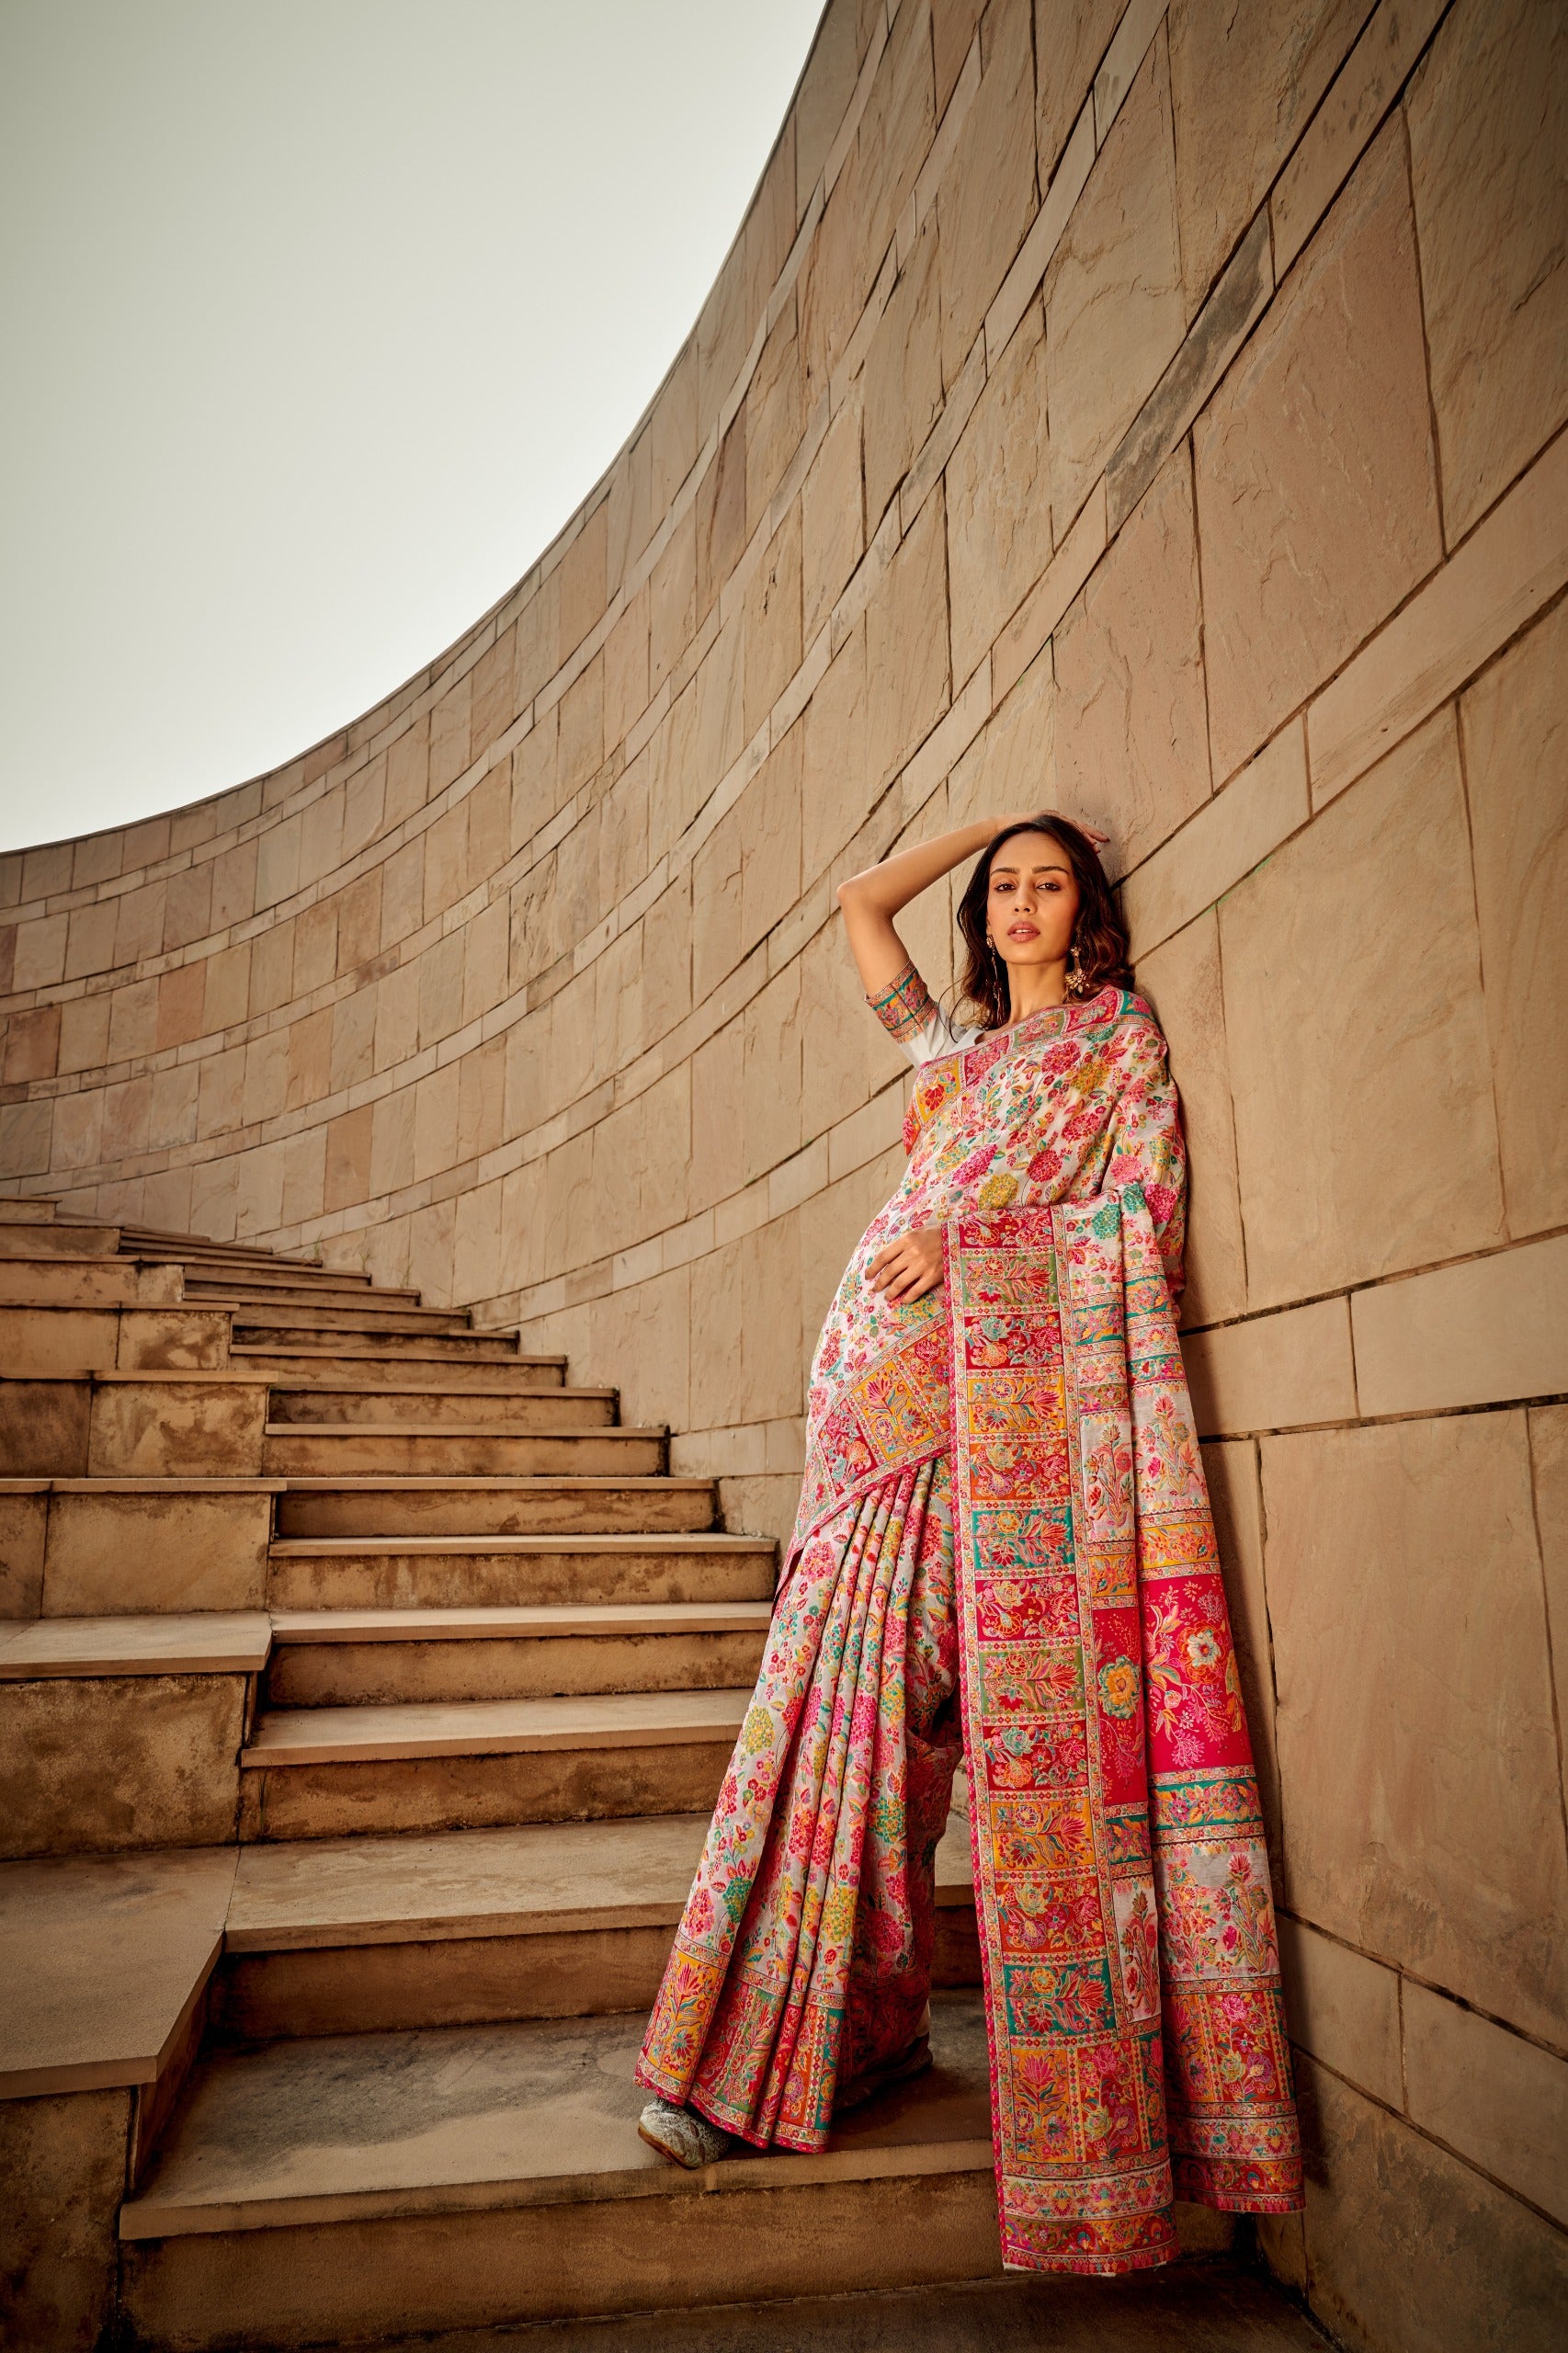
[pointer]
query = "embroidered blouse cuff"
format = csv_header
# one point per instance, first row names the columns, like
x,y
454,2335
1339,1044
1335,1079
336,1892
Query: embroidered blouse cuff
x,y
904,1006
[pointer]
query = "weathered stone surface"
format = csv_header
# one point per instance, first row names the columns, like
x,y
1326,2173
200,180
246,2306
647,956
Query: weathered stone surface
x,y
1132,728
1245,82
906,650
1069,38
1273,1372
62,2178
107,1763
1344,2009
902,373
114,1549
1405,2245
1182,982
998,497
1113,300
1485,1332
1207,351
1232,833
1395,34
1316,487
1488,119
23,1511
1501,2101
1515,726
987,193
1548,1463
1365,1132
1417,1761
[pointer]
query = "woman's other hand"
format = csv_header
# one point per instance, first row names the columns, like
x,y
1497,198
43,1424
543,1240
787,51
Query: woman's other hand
x,y
906,1269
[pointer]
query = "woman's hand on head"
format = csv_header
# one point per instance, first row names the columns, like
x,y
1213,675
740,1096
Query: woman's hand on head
x,y
906,1269
1026,816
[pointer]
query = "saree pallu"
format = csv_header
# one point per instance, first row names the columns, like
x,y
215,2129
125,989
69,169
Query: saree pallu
x,y
1004,1494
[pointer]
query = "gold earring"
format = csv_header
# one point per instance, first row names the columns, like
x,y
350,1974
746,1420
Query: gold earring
x,y
1074,972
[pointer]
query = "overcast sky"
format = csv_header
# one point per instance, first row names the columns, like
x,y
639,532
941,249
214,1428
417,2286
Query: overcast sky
x,y
319,316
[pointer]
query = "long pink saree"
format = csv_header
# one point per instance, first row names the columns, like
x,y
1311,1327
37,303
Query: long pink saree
x,y
1004,1544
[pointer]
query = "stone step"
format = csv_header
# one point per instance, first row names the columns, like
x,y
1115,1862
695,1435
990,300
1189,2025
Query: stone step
x,y
440,1403
201,1246
335,1658
366,1449
46,1240
318,1364
89,1283
348,1505
329,1772
544,1920
293,1333
364,1315
226,1290
464,2176
445,1572
14,1211
278,1275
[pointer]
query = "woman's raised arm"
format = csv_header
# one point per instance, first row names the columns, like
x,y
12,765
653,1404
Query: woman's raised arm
x,y
871,900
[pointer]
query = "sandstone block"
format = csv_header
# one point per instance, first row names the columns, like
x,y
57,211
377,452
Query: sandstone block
x,y
1182,982
1365,1132
1515,726
1232,833
120,1547
1316,487
998,497
1488,119
1417,1757
1113,299
1245,83
101,1764
1501,2101
1405,2243
906,650
62,2166
1132,727
1273,1371
987,192
1485,1332
1070,36
1344,2009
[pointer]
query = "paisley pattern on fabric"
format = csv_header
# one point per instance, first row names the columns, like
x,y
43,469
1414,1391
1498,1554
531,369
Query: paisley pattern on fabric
x,y
1003,1521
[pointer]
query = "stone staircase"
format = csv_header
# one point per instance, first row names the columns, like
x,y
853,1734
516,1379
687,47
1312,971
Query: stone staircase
x,y
364,1689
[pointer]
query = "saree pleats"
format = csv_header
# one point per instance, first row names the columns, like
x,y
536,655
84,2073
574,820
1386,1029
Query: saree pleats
x,y
805,1949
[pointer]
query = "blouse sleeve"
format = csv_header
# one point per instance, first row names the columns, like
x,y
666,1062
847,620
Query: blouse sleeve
x,y
1147,1147
908,1011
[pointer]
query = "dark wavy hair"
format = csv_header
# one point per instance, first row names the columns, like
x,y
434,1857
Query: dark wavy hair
x,y
1099,936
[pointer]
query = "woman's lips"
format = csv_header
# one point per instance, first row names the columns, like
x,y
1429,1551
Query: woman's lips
x,y
1022,931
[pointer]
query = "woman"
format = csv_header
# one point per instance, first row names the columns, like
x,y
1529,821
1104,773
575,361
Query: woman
x,y
1004,1546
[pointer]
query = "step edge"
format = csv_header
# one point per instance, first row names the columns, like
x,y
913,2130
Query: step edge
x,y
145,2218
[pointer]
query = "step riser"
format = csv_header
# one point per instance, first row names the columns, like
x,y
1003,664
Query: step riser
x,y
435,1454
510,1376
353,2280
421,1322
365,1337
500,1580
472,1409
27,1240
480,1980
470,1981
411,1512
481,1793
351,1674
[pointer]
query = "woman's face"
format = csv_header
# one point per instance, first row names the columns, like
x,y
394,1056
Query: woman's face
x,y
1032,900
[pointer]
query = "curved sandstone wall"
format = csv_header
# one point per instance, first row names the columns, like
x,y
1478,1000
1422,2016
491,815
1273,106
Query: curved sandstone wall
x,y
1146,411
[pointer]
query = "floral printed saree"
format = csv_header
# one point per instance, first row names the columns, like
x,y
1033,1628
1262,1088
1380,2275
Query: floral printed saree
x,y
1003,1545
